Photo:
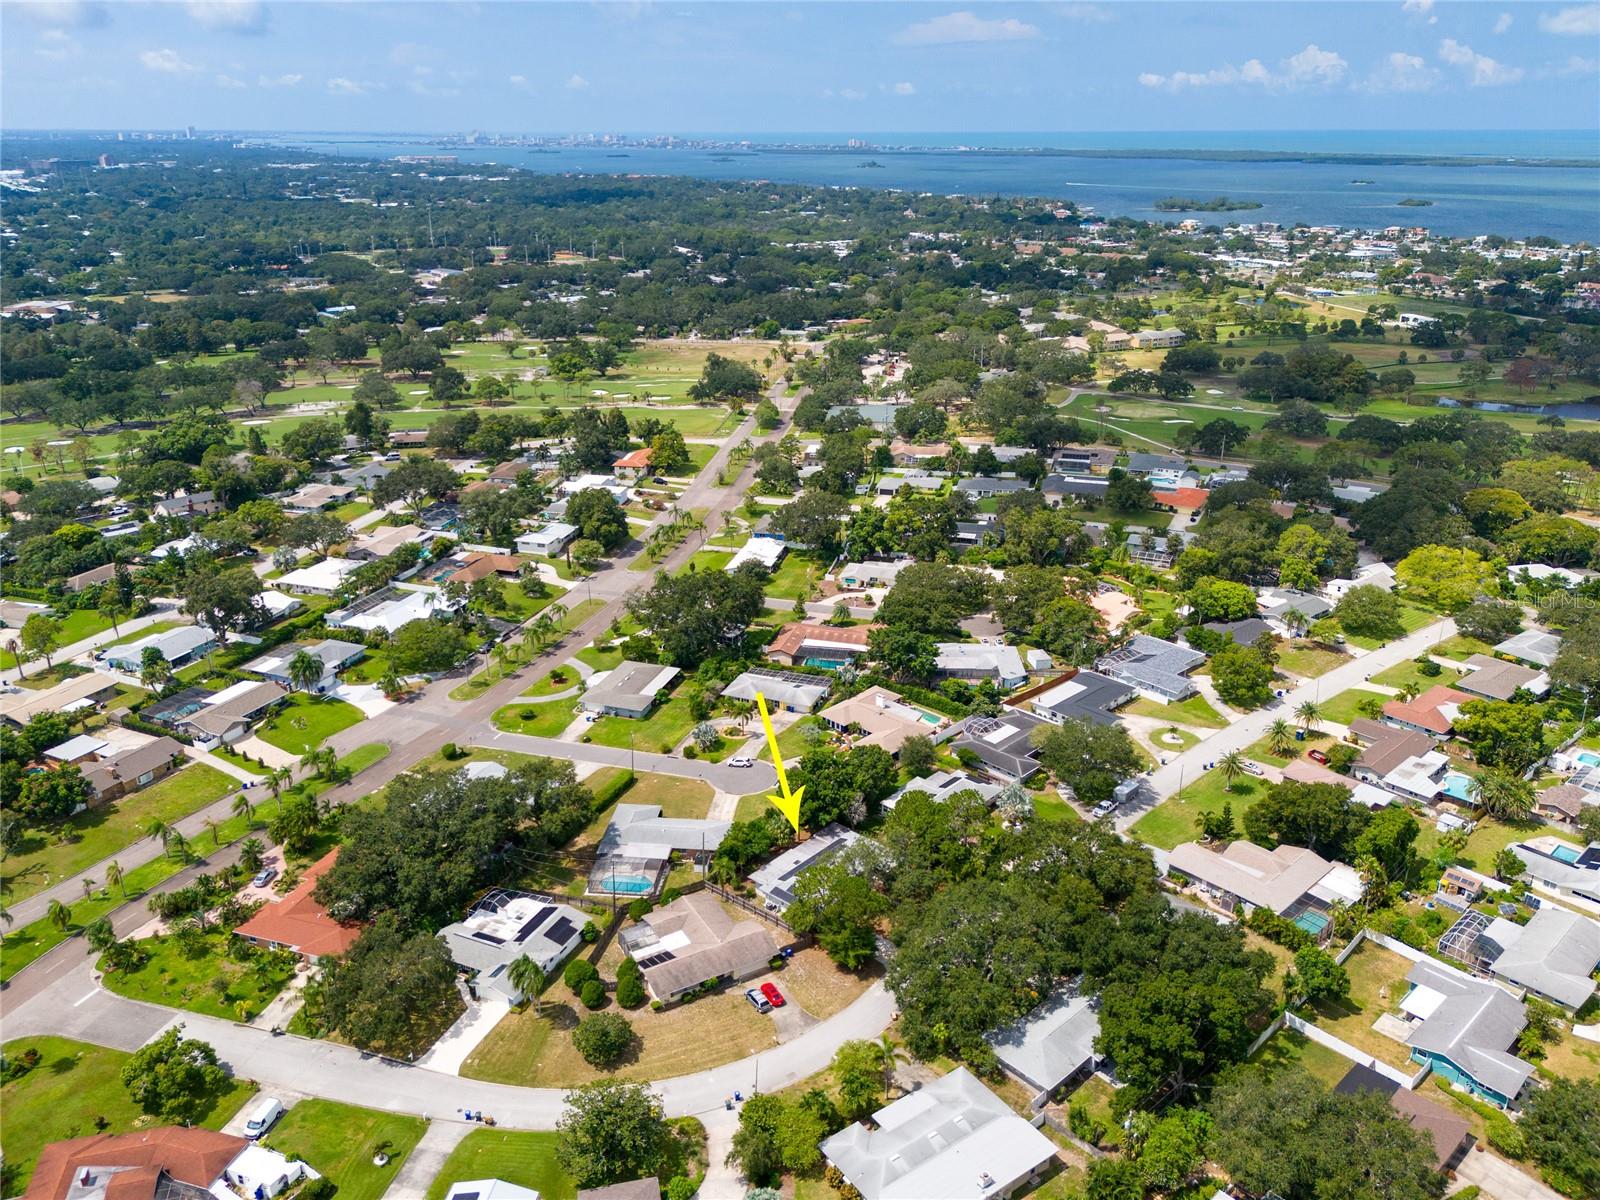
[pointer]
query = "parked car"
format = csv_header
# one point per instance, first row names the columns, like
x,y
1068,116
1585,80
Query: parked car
x,y
1103,809
263,1117
1253,768
1317,756
773,995
741,761
264,876
758,1000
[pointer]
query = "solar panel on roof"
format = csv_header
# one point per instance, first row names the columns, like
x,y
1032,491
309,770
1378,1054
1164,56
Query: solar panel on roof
x,y
561,932
533,922
655,960
488,937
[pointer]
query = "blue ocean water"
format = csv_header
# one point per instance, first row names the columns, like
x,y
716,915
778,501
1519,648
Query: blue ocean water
x,y
1505,198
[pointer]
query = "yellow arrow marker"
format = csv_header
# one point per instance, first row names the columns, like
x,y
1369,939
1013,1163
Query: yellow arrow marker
x,y
789,803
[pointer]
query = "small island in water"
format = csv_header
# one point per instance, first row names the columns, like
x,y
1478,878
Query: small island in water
x,y
1413,202
871,164
1362,182
1215,204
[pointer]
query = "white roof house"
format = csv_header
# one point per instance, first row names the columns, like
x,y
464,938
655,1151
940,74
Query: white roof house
x,y
764,550
177,646
775,881
78,747
1553,956
952,1139
629,689
552,539
605,483
1052,1043
278,605
489,1189
504,926
980,660
390,609
319,579
1532,646
780,689
640,831
259,1171
941,785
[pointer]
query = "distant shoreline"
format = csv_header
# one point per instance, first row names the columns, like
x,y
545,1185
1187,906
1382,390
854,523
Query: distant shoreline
x,y
1256,156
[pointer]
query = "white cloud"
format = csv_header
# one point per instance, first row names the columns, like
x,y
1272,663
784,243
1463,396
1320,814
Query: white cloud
x,y
62,14
1574,66
904,89
421,86
228,81
1310,68
229,16
1421,9
56,45
1087,14
340,86
1582,21
517,81
278,81
1504,23
169,62
852,94
957,27
1485,71
1401,72
576,82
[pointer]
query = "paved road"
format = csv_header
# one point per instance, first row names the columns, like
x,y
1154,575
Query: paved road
x,y
163,610
1244,730
740,780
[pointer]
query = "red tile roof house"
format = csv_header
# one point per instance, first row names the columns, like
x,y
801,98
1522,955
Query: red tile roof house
x,y
1181,499
298,922
1432,712
632,465
133,1166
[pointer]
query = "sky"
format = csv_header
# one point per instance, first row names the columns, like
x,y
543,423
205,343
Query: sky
x,y
775,67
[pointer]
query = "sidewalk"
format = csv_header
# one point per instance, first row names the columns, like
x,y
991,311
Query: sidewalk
x,y
427,1158
165,610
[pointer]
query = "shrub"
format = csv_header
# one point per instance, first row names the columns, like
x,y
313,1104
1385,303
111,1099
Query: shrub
x,y
671,894
449,752
639,909
593,994
630,984
319,1189
591,932
579,972
603,1038
1505,1137
679,1188
656,1006
690,752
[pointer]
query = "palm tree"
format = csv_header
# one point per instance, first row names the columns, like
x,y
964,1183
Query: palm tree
x,y
242,808
178,846
111,608
722,871
305,670
16,655
1502,795
88,887
391,685
889,1052
527,977
1231,765
1410,691
114,877
1295,621
216,832
59,915
1280,738
311,760
1309,715
159,830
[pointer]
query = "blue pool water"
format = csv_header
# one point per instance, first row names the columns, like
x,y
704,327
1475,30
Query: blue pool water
x,y
1456,784
1589,758
630,885
931,718
1566,854
1312,922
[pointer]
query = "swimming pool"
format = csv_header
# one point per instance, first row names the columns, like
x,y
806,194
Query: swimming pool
x,y
1458,785
931,718
1312,922
1566,854
1589,758
629,885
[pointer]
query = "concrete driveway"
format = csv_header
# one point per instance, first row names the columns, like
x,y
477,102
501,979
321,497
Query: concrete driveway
x,y
1500,1180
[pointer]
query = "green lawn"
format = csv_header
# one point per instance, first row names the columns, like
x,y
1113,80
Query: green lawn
x,y
794,575
305,722
204,979
526,1159
1412,618
147,631
677,797
793,741
601,659
1487,840
362,757
1175,819
550,685
1195,710
1308,660
1406,672
352,510
46,857
663,729
1342,708
229,755
339,1140
1049,806
75,1085
75,626
545,719
1286,1048
1461,647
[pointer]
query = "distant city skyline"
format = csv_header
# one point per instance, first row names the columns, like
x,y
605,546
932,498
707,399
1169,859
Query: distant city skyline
x,y
775,68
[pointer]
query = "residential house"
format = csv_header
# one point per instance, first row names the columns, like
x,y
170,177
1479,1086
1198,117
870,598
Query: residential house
x,y
83,748
1158,339
165,1163
317,497
1568,577
856,575
1378,575
276,606
1140,463
1463,1027
761,548
694,940
1385,747
490,1189
1052,1046
1356,493
1464,884
363,478
506,474
633,1189
952,1139
224,717
1421,777
408,437
549,540
177,647
1246,632
504,926
941,785
1304,770
632,464
1451,1135
1562,802
1290,612
907,454
1496,679
1004,743
485,566
1291,881
389,608
1083,696
787,691
986,487
1552,957
383,540
1180,499
1560,869
813,644
620,491
333,655
80,692
1081,460
83,579
297,922
1532,646
981,660
1433,712
319,579
629,689
775,881
1154,667
1153,550
1057,489
639,831
124,771
195,504
178,548
891,482
879,717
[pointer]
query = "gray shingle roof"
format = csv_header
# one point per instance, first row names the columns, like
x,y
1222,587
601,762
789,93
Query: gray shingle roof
x,y
1052,1043
1554,954
1472,1024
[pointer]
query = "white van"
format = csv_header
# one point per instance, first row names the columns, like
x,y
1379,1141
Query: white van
x,y
263,1118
